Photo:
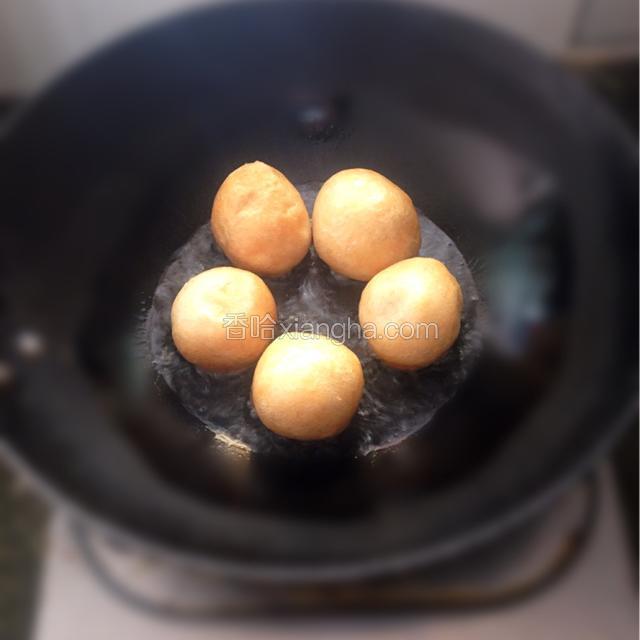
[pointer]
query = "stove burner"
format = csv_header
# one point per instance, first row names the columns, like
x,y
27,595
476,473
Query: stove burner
x,y
512,567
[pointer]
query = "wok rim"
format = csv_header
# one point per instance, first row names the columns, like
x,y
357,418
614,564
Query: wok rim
x,y
330,572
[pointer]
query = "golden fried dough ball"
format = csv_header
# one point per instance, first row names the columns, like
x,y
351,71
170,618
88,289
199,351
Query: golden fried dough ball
x,y
306,386
410,312
260,221
223,319
363,223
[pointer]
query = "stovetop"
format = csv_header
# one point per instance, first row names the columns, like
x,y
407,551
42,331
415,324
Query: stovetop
x,y
566,576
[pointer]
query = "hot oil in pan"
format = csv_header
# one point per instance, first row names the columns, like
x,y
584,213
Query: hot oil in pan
x,y
507,215
395,404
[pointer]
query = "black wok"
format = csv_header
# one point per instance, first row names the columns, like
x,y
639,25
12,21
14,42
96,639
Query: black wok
x,y
112,168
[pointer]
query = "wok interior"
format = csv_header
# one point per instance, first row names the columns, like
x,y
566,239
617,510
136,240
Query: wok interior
x,y
491,157
509,221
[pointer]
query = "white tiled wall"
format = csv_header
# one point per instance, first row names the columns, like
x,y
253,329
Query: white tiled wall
x,y
38,38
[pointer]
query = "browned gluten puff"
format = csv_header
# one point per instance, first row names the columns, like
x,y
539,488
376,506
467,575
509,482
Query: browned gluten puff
x,y
410,312
260,221
211,319
307,387
362,223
